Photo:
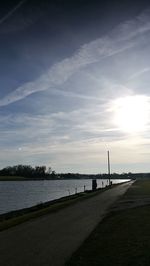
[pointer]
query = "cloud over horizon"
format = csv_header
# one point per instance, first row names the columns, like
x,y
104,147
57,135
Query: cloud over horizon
x,y
65,117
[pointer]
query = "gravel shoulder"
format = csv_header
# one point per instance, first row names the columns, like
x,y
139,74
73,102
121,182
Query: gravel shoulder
x,y
52,238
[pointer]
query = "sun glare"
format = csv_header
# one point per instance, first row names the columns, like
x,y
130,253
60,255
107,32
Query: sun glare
x,y
131,113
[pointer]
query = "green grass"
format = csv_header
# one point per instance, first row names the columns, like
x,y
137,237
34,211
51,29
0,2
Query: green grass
x,y
122,238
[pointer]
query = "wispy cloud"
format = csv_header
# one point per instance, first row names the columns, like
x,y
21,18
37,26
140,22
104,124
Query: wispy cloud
x,y
139,73
12,11
76,95
21,16
117,41
67,139
58,128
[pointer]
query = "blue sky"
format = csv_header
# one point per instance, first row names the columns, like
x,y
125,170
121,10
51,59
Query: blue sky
x,y
75,83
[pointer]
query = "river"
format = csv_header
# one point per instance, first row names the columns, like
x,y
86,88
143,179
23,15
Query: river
x,y
15,195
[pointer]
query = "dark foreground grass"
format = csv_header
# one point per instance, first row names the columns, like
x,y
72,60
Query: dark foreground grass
x,y
122,238
140,188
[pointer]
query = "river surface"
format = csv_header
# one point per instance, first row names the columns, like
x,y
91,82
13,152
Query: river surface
x,y
15,195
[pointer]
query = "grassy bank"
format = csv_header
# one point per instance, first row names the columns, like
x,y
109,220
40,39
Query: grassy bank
x,y
123,237
12,178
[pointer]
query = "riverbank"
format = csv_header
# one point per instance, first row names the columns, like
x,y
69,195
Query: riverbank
x,y
51,239
17,195
127,226
13,218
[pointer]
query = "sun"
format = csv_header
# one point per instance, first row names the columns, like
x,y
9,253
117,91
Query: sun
x,y
131,113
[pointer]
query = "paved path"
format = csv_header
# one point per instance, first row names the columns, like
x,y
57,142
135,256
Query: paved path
x,y
51,239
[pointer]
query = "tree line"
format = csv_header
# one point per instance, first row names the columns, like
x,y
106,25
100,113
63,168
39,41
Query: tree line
x,y
39,172
42,172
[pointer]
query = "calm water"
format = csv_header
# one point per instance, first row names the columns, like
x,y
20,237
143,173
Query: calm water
x,y
16,195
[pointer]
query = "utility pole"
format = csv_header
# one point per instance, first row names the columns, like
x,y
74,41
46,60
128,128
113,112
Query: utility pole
x,y
108,166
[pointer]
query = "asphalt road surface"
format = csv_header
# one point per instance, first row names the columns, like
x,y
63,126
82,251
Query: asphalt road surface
x,y
51,239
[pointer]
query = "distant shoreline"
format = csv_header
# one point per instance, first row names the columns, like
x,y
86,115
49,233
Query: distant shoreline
x,y
21,178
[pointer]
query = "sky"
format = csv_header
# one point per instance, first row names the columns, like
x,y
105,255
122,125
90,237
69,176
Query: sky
x,y
74,83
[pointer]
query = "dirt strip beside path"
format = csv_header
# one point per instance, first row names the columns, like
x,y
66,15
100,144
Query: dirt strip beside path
x,y
51,239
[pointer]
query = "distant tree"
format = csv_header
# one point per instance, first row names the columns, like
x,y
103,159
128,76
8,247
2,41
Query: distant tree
x,y
49,171
40,171
53,175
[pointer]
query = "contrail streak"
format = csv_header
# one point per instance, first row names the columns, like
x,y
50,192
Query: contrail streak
x,y
10,13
